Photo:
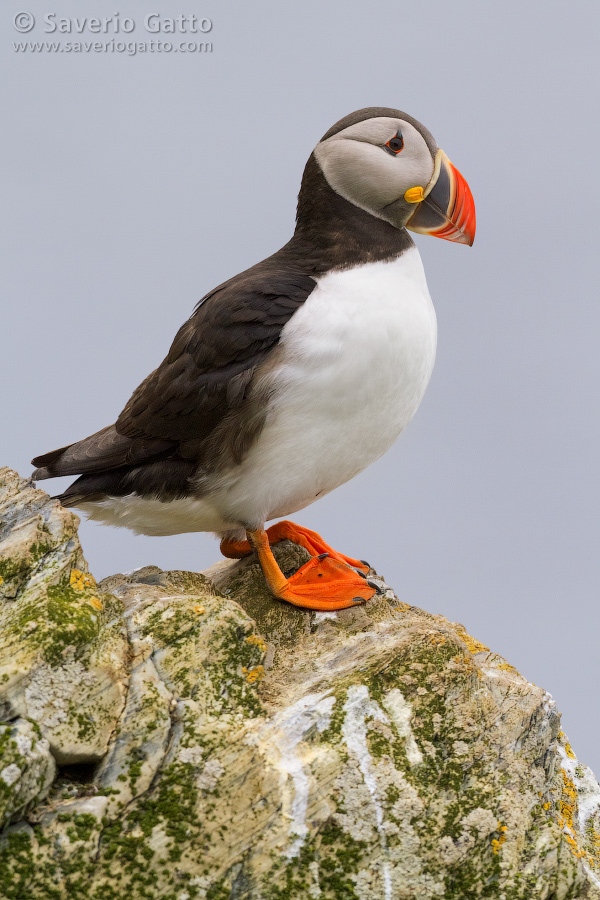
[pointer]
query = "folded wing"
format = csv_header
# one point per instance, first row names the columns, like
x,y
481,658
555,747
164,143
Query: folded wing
x,y
200,408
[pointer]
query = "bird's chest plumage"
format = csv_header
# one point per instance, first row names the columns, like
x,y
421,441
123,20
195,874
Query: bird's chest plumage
x,y
350,370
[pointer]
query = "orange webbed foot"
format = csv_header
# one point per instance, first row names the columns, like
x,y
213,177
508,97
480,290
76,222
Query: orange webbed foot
x,y
312,542
304,537
325,582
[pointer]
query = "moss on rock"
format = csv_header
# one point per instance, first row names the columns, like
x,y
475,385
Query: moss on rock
x,y
220,744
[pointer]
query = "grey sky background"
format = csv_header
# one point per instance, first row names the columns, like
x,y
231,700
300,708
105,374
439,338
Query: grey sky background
x,y
134,184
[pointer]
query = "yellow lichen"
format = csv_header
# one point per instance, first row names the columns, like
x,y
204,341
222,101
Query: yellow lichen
x,y
400,606
573,845
257,641
497,842
199,609
568,749
568,801
256,673
506,667
437,639
464,661
566,816
79,581
467,664
95,602
472,643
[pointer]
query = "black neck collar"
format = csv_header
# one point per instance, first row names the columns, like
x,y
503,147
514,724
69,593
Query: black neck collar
x,y
332,233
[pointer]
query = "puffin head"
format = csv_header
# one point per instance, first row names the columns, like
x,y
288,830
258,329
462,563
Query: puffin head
x,y
388,164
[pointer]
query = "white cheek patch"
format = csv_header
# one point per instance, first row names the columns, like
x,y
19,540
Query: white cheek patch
x,y
358,168
361,173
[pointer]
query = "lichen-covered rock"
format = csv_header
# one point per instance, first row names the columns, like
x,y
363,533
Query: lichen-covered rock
x,y
63,647
269,753
27,768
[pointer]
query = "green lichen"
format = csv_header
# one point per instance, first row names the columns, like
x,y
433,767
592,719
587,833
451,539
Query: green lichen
x,y
430,657
184,826
75,623
14,569
86,727
342,861
338,857
171,805
18,867
476,876
82,828
134,773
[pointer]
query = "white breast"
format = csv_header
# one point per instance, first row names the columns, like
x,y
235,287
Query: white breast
x,y
354,364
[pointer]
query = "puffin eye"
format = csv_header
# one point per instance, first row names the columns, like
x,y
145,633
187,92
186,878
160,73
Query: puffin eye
x,y
395,145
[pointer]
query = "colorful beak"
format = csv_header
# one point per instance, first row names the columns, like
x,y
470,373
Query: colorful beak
x,y
447,209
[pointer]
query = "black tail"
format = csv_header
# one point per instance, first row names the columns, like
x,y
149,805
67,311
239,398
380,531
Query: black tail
x,y
164,479
101,452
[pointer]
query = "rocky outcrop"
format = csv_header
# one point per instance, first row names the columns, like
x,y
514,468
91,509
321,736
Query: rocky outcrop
x,y
177,735
63,647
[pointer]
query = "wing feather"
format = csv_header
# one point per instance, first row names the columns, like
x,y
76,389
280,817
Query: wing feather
x,y
197,404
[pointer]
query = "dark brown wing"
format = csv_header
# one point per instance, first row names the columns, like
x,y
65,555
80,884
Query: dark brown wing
x,y
197,406
213,357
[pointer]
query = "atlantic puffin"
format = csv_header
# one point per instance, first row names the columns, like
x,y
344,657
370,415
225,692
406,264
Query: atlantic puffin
x,y
295,375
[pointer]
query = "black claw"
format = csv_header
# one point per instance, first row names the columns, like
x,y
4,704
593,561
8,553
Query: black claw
x,y
376,586
322,555
362,574
358,600
365,563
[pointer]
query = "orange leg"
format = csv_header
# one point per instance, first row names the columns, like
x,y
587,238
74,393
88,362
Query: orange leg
x,y
306,538
322,583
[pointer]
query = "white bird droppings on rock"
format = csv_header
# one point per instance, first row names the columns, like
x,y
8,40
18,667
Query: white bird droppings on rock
x,y
323,616
358,708
281,741
400,712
